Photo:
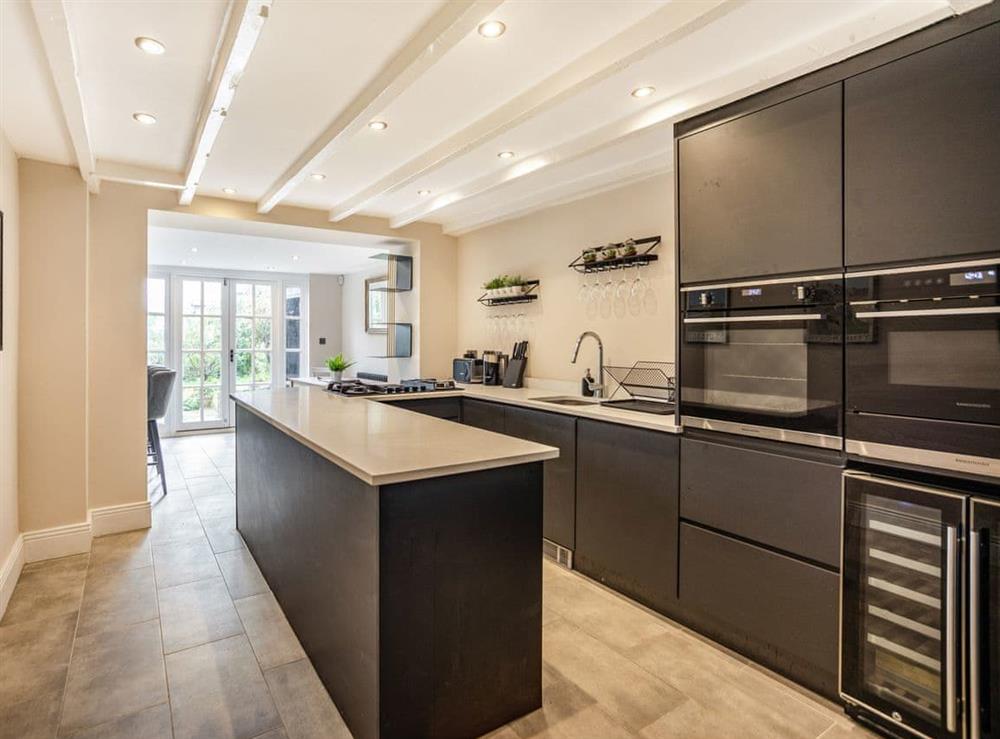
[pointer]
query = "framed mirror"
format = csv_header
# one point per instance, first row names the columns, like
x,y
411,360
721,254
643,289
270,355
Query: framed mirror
x,y
376,305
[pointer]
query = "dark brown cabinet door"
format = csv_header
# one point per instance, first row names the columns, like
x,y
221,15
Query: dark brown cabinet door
x,y
761,194
483,415
449,409
922,154
560,474
626,510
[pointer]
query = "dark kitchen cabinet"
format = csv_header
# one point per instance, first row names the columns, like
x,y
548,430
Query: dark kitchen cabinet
x,y
449,409
761,194
553,429
483,415
626,510
922,154
773,496
775,609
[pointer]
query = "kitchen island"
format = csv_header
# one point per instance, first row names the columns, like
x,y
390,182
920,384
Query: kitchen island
x,y
405,552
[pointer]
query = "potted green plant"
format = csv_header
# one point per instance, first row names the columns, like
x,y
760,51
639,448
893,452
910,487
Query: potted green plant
x,y
515,286
495,287
609,252
589,256
337,366
628,248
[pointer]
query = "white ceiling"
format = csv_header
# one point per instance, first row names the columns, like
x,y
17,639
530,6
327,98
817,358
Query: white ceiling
x,y
306,76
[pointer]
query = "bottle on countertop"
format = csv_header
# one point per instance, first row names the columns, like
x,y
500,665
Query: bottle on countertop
x,y
585,385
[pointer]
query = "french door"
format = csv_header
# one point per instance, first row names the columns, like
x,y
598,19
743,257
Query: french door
x,y
202,319
252,352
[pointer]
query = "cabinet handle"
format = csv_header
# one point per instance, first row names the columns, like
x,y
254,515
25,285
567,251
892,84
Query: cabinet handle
x,y
974,610
927,312
950,628
758,319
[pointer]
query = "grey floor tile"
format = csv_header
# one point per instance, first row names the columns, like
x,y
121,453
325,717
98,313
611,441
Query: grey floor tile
x,y
196,613
34,718
151,723
114,674
626,691
115,599
181,562
690,665
242,575
223,536
276,734
304,704
270,634
610,618
561,701
171,527
47,589
34,658
216,506
592,722
201,487
127,551
217,691
177,500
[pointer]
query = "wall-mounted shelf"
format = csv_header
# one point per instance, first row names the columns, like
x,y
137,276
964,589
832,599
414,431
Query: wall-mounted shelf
x,y
527,295
398,271
640,259
398,341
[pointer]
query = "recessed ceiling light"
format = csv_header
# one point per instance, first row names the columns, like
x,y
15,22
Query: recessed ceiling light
x,y
423,193
150,45
378,125
229,190
643,92
318,176
506,155
491,29
194,249
146,119
295,257
184,261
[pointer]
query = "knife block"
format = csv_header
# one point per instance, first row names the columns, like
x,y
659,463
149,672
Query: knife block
x,y
514,376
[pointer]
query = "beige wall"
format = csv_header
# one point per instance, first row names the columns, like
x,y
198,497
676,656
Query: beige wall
x,y
540,246
8,357
52,361
325,296
82,418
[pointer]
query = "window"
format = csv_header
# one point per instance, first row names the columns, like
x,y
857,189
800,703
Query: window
x,y
201,350
293,331
156,320
253,323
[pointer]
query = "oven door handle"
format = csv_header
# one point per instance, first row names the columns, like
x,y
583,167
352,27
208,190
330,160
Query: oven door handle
x,y
758,319
927,312
950,628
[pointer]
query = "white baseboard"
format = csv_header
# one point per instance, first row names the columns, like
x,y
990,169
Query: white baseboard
x,y
117,518
62,541
10,572
59,541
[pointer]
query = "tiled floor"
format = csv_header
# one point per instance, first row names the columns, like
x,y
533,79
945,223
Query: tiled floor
x,y
173,632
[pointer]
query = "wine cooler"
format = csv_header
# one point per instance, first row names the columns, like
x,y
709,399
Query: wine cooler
x,y
919,608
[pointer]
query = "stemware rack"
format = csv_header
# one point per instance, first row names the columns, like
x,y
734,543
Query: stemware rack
x,y
639,259
527,295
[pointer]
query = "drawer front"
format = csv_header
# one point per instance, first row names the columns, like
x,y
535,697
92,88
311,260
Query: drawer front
x,y
559,431
447,408
777,610
785,502
482,415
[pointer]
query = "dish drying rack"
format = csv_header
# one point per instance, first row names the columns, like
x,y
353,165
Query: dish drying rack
x,y
652,381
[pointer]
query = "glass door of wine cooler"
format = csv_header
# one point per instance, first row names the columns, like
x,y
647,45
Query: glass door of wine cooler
x,y
984,620
901,612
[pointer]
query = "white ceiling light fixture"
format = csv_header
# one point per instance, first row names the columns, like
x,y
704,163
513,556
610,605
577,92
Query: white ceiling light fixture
x,y
194,249
491,29
295,257
643,92
423,193
506,155
229,190
149,45
317,176
377,125
146,119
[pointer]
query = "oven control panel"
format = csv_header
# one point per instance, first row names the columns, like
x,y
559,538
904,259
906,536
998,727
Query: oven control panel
x,y
970,280
771,294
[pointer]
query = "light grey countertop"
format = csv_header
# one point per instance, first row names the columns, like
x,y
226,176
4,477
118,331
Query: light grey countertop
x,y
380,444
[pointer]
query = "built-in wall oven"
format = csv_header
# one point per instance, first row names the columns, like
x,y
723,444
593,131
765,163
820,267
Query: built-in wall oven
x,y
923,365
765,358
920,606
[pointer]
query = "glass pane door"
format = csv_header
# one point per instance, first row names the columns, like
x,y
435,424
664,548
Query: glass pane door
x,y
253,329
202,340
901,624
984,633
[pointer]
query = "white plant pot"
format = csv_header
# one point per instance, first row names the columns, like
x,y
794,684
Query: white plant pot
x,y
338,376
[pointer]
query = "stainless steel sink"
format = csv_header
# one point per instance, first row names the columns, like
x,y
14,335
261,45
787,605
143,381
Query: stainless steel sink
x,y
566,400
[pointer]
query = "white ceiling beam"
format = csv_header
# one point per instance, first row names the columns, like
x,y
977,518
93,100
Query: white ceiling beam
x,y
134,175
51,17
829,46
439,35
242,26
593,183
666,26
964,6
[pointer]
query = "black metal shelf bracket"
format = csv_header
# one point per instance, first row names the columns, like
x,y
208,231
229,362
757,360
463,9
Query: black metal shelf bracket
x,y
640,259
